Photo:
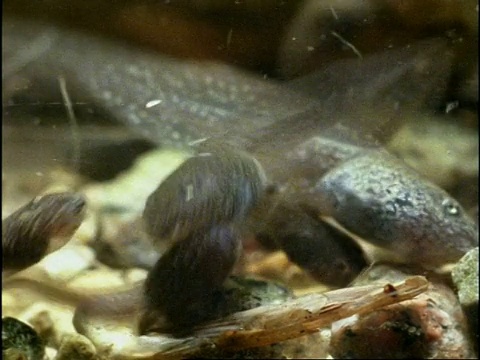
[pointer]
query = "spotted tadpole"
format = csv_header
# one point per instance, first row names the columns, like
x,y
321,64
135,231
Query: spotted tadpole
x,y
173,101
377,197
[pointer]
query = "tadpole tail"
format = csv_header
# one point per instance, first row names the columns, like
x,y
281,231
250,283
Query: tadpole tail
x,y
174,102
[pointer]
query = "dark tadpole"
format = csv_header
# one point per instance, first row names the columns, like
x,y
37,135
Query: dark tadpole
x,y
218,185
328,255
40,227
102,160
184,287
201,207
20,341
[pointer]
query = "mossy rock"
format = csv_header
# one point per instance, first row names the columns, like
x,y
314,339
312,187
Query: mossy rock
x,y
20,341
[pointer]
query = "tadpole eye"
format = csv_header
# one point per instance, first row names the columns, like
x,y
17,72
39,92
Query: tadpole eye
x,y
450,208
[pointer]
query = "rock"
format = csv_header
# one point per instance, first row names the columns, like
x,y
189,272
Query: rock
x,y
50,320
432,325
130,189
44,326
68,262
134,275
76,346
465,278
20,341
447,154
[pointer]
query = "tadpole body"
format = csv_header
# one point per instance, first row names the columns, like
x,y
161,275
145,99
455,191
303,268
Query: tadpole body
x,y
324,252
201,206
184,285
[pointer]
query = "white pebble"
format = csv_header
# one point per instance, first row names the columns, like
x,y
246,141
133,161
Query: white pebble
x,y
68,262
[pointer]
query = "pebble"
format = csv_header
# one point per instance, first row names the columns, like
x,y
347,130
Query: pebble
x,y
76,346
135,275
432,325
438,149
49,318
465,278
130,189
98,280
68,262
20,341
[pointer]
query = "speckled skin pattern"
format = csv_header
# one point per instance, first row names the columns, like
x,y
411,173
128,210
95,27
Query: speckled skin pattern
x,y
169,101
378,197
173,102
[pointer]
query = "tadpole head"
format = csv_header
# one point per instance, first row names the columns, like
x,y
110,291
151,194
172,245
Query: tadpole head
x,y
379,198
40,227
218,185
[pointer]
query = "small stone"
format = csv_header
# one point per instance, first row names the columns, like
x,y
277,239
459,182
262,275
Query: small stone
x,y
20,341
43,324
68,262
431,325
465,278
50,352
135,275
130,189
76,346
98,279
50,319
